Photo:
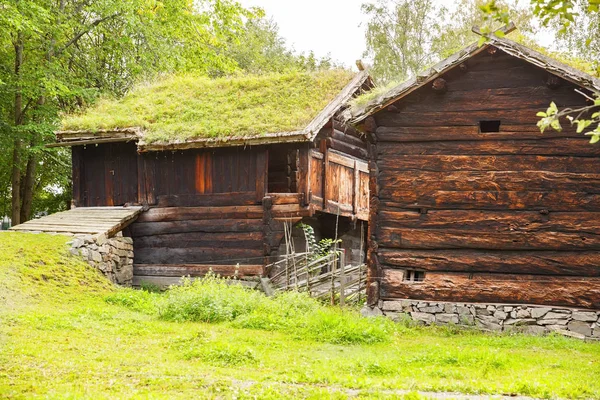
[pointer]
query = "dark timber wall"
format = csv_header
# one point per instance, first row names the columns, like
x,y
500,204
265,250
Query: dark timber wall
x,y
216,208
105,175
505,217
207,210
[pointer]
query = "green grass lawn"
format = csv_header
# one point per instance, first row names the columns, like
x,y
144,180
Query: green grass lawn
x,y
66,333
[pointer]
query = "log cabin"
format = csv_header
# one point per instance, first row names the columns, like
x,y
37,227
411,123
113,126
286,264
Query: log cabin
x,y
220,165
470,202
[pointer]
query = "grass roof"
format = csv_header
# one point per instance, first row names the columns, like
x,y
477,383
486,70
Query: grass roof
x,y
185,107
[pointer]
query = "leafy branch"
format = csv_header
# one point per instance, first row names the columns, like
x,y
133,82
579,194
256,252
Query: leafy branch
x,y
318,249
551,118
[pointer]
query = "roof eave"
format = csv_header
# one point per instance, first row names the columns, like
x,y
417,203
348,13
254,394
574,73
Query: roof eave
x,y
334,105
266,139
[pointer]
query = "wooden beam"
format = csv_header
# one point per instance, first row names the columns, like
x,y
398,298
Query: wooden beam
x,y
506,29
92,141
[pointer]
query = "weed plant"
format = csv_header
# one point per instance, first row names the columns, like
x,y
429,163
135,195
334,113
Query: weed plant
x,y
214,299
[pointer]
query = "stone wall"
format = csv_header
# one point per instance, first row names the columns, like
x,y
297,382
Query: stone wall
x,y
496,317
113,257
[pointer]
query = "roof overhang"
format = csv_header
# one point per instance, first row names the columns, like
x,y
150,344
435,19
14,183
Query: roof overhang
x,y
308,134
85,137
512,48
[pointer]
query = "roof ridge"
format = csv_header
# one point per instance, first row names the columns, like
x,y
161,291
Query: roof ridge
x,y
511,47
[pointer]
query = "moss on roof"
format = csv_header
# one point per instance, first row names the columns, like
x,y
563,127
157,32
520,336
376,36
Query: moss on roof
x,y
185,107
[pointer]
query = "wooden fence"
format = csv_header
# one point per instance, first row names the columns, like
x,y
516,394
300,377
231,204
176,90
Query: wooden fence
x,y
326,277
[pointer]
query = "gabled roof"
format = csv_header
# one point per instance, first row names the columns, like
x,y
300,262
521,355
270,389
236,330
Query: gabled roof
x,y
192,112
359,113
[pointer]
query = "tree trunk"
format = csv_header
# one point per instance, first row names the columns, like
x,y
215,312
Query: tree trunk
x,y
16,184
28,187
16,161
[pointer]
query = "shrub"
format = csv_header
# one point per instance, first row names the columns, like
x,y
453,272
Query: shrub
x,y
213,299
138,300
210,299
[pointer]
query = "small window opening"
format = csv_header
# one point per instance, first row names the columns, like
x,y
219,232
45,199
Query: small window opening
x,y
489,126
414,276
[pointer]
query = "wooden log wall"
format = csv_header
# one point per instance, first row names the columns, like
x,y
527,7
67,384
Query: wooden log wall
x,y
206,209
509,216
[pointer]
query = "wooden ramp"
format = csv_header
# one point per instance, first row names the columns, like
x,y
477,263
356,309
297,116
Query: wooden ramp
x,y
84,220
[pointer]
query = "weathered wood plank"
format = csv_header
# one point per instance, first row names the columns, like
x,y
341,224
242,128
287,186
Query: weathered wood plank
x,y
348,137
443,163
493,221
505,98
458,118
579,147
179,270
164,214
225,225
245,240
484,200
567,291
194,255
285,198
517,181
213,199
410,238
573,263
347,148
166,281
402,134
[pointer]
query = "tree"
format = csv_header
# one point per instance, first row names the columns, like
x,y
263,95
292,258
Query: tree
x,y
456,33
263,50
399,37
404,37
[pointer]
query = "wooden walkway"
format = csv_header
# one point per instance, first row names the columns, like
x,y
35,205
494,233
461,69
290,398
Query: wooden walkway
x,y
84,220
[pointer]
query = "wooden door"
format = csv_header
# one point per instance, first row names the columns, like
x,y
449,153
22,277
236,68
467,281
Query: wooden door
x,y
105,175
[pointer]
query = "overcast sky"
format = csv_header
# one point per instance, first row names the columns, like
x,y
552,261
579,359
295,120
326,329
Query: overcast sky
x,y
324,26
335,27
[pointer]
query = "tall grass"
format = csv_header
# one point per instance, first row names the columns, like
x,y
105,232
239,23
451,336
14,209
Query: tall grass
x,y
217,300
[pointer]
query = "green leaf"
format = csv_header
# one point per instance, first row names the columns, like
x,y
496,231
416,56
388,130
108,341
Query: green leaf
x,y
541,114
499,33
555,124
594,139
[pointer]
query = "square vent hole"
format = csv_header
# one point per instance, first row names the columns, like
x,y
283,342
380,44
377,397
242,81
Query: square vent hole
x,y
489,126
412,275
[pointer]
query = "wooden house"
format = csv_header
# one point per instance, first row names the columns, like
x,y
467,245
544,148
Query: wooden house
x,y
470,202
220,165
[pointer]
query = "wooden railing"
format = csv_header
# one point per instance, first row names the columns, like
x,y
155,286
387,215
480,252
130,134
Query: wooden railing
x,y
326,277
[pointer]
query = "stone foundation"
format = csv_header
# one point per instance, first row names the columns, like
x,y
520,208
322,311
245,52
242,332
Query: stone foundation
x,y
539,320
113,257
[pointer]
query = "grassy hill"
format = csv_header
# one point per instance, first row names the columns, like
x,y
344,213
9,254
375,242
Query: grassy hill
x,y
65,332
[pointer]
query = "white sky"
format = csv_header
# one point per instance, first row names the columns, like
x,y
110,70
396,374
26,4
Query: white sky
x,y
324,26
334,27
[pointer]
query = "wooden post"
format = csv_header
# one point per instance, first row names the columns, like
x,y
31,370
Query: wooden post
x,y
355,189
324,183
307,273
333,270
342,278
